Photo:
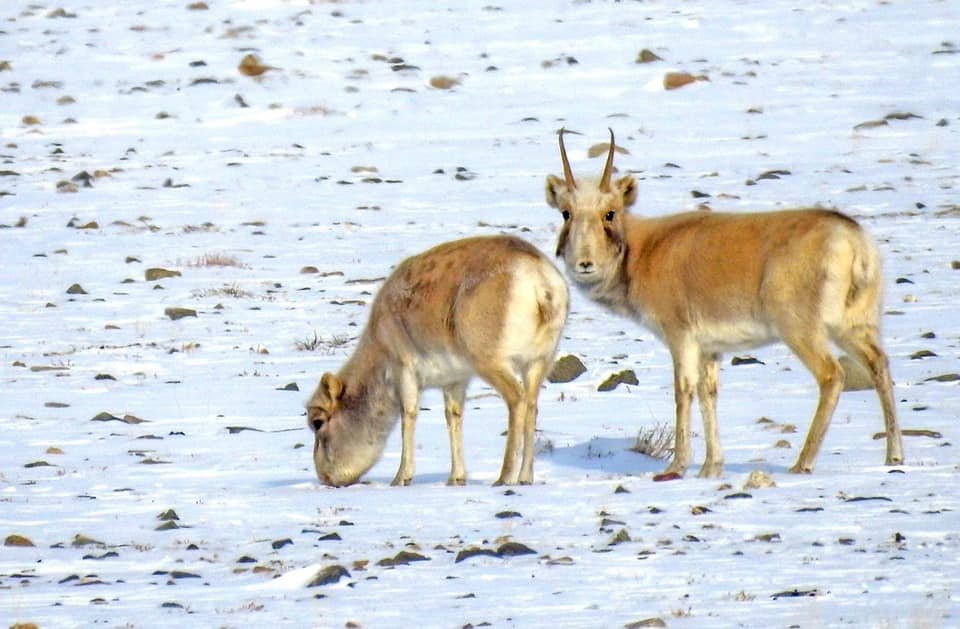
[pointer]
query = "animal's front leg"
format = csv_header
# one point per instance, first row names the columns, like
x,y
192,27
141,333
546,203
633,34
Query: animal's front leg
x,y
453,397
707,396
409,402
686,362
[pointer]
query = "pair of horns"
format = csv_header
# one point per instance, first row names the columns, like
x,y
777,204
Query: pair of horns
x,y
607,169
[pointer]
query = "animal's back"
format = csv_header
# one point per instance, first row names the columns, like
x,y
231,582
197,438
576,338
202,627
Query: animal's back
x,y
743,270
468,300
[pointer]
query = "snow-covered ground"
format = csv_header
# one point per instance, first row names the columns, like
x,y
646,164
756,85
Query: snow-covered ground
x,y
342,157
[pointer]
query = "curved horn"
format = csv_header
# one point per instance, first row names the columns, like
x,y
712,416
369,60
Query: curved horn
x,y
567,173
608,167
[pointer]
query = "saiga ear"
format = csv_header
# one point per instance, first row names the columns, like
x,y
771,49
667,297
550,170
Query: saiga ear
x,y
627,188
554,188
332,385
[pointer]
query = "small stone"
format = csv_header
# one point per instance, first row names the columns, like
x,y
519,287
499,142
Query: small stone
x,y
154,274
442,82
76,289
514,549
179,313
403,558
566,369
251,65
17,540
469,553
328,576
676,80
620,537
627,376
759,480
946,377
647,56
646,622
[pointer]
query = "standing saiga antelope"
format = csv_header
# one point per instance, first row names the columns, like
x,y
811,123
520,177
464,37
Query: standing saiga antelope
x,y
707,283
488,306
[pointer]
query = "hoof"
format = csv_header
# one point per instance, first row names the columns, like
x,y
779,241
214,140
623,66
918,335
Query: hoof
x,y
456,482
711,471
798,469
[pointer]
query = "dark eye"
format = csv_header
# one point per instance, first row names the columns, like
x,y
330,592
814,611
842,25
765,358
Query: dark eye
x,y
566,215
610,215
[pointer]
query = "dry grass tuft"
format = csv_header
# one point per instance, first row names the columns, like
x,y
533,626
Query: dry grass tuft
x,y
656,442
318,343
217,259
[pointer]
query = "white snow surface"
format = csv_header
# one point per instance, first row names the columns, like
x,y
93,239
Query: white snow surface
x,y
203,164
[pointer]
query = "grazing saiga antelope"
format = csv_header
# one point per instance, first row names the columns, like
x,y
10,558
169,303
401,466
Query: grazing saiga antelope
x,y
488,306
707,283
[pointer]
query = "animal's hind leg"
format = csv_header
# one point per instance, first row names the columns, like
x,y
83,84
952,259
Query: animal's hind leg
x,y
814,350
508,386
532,379
863,345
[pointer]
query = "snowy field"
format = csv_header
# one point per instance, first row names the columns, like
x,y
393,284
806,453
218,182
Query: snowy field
x,y
156,471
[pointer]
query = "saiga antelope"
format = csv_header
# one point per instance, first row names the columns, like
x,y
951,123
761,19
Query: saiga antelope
x,y
487,306
707,283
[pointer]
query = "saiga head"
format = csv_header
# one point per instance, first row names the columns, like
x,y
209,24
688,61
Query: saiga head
x,y
591,240
344,447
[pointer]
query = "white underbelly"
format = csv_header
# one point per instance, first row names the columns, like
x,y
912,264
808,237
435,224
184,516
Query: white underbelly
x,y
440,370
731,336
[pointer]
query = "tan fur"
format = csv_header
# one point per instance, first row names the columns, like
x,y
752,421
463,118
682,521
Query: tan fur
x,y
707,283
488,306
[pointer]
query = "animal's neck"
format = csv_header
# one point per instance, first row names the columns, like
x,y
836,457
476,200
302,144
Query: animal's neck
x,y
369,390
612,292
